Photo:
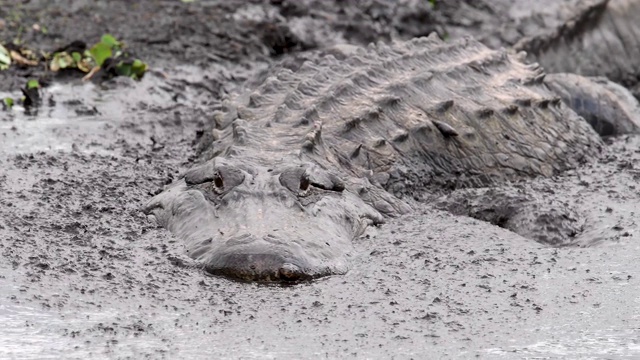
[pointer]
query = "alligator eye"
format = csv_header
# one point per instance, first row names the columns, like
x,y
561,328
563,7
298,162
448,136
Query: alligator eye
x,y
304,182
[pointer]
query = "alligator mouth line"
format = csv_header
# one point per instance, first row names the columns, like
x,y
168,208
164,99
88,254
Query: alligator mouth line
x,y
284,272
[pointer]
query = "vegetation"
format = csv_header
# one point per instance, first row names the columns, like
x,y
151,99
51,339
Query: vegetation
x,y
108,54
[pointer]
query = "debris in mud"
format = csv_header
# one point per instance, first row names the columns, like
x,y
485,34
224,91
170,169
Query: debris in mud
x,y
108,55
7,103
5,58
14,54
20,57
63,60
31,93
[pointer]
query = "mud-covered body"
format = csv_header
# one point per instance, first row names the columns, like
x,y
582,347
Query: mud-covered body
x,y
608,107
382,111
295,168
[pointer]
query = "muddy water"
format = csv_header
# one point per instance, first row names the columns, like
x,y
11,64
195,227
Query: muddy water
x,y
427,285
53,126
84,274
76,111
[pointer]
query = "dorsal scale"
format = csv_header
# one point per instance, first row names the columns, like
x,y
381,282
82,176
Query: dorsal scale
x,y
386,91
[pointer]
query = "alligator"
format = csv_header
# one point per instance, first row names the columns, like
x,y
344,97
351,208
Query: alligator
x,y
296,168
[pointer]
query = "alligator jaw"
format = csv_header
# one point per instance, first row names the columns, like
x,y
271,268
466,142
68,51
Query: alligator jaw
x,y
265,235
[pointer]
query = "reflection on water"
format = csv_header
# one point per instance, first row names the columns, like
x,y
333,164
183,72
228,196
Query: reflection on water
x,y
606,343
24,336
68,112
77,112
30,332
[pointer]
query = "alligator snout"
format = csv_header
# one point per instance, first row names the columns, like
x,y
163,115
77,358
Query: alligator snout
x,y
258,267
260,231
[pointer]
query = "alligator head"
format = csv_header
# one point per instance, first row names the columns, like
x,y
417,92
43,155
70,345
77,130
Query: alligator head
x,y
270,223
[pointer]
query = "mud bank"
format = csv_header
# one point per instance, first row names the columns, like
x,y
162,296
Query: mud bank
x,y
83,273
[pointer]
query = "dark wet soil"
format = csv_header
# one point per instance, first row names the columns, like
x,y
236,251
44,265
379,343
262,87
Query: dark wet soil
x,y
84,274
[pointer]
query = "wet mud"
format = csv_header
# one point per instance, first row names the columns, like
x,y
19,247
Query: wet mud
x,y
85,274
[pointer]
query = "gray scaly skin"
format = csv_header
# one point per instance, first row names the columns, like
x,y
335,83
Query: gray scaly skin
x,y
295,169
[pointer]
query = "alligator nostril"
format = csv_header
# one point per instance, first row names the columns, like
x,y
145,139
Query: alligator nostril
x,y
290,272
304,182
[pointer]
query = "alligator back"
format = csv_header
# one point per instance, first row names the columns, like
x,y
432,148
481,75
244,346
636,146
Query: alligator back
x,y
409,115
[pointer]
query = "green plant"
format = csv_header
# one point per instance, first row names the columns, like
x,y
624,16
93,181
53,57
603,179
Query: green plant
x,y
5,58
7,103
90,60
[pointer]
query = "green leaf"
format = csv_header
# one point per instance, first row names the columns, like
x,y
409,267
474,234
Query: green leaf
x,y
110,41
137,63
62,60
76,56
123,69
7,102
100,52
138,67
135,69
33,84
5,58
